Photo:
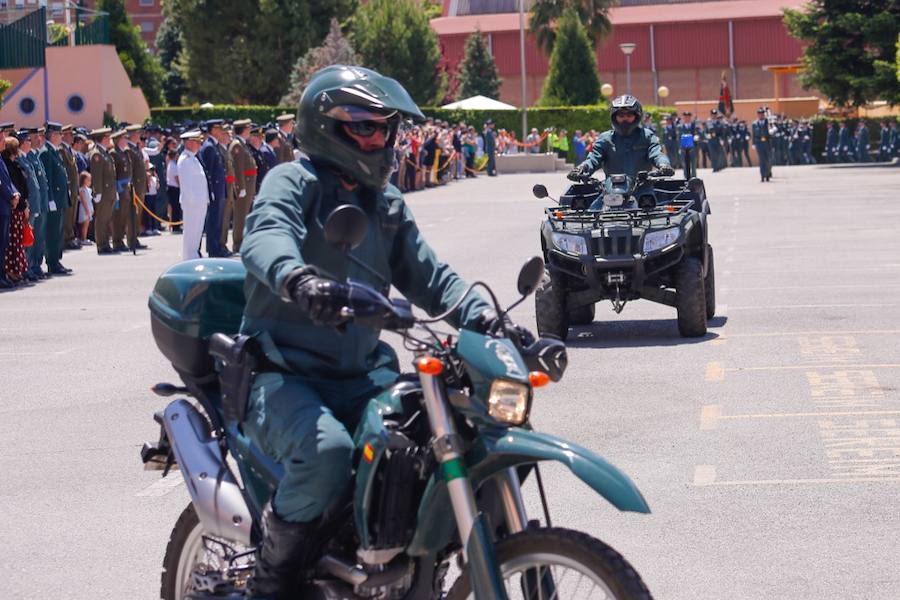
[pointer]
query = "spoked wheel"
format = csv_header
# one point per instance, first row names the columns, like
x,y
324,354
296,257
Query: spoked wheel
x,y
540,564
195,561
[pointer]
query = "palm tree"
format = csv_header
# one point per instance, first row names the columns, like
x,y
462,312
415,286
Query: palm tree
x,y
594,14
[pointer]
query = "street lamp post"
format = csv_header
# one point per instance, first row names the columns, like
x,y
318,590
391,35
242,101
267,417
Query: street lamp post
x,y
627,48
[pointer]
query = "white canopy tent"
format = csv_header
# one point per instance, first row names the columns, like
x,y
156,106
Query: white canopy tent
x,y
479,103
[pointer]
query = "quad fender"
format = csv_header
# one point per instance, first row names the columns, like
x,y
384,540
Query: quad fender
x,y
511,448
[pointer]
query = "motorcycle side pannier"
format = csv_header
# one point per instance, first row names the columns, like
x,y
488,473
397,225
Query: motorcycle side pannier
x,y
191,301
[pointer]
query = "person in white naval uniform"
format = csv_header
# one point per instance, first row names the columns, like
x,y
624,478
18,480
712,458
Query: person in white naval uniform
x,y
194,194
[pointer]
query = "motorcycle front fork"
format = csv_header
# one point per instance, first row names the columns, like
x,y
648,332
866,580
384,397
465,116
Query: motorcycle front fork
x,y
476,539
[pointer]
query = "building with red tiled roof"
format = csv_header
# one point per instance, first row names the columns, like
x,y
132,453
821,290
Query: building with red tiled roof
x,y
685,46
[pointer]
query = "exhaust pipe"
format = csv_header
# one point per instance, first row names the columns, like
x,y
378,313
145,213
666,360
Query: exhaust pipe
x,y
214,491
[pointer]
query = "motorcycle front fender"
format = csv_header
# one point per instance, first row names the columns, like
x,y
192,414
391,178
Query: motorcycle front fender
x,y
511,448
521,446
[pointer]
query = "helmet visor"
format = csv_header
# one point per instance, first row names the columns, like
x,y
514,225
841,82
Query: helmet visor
x,y
358,114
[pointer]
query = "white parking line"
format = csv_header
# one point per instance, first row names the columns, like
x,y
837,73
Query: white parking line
x,y
162,487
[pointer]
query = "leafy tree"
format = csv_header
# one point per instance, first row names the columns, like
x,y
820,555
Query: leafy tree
x,y
898,57
56,32
852,49
572,78
594,14
478,72
4,86
169,45
395,38
335,50
243,50
142,67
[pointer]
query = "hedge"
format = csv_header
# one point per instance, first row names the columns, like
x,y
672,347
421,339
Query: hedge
x,y
570,118
819,123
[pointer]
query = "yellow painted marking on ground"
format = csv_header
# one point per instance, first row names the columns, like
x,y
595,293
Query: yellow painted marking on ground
x,y
709,416
848,413
824,480
715,372
704,475
807,367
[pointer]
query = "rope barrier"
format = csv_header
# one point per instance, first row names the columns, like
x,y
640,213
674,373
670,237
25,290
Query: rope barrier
x,y
139,202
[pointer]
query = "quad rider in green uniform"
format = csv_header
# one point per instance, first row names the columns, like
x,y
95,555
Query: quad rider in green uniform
x,y
627,148
304,409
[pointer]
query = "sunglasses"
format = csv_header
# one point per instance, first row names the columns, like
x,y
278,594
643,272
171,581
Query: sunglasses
x,y
368,128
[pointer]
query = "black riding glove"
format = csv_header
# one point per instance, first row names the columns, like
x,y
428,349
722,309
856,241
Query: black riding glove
x,y
322,299
664,171
579,173
489,324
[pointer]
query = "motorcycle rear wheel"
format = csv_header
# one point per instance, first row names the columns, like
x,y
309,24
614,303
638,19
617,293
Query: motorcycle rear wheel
x,y
187,552
580,567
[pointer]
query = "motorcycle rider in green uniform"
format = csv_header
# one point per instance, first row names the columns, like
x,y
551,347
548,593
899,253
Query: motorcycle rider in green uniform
x,y
627,148
322,368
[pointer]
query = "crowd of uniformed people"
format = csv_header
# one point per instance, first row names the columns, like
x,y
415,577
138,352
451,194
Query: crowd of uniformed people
x,y
64,188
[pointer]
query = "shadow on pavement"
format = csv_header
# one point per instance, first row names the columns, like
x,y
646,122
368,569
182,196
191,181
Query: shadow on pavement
x,y
636,334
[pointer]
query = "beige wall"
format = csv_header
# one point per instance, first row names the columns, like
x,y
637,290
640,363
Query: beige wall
x,y
794,108
93,72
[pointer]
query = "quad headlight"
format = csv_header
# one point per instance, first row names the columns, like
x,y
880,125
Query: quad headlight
x,y
654,240
573,244
509,401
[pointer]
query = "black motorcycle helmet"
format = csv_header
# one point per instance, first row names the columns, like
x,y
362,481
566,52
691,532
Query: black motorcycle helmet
x,y
339,95
626,103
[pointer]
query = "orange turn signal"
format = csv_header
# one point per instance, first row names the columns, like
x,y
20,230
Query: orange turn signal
x,y
430,365
672,209
538,379
558,214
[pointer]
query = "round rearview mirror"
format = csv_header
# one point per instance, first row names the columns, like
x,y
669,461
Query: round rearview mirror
x,y
530,276
539,191
346,227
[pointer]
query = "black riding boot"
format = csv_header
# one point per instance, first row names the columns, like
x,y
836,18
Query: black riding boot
x,y
286,551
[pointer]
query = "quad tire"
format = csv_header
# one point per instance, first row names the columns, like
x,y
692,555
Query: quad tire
x,y
690,298
709,284
583,315
550,309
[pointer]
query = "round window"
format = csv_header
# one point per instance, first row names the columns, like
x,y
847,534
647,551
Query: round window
x,y
75,103
27,105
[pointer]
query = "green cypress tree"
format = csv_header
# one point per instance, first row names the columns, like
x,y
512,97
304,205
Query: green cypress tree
x,y
395,38
572,78
169,44
478,71
142,67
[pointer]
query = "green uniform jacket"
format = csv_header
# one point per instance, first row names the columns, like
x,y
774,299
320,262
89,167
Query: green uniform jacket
x,y
244,168
57,182
71,172
103,174
617,154
41,205
124,173
138,170
285,232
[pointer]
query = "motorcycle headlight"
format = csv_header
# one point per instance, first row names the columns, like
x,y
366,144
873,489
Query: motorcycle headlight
x,y
573,244
654,240
508,402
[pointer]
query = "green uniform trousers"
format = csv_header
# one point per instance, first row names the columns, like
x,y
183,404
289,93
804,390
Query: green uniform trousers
x,y
306,424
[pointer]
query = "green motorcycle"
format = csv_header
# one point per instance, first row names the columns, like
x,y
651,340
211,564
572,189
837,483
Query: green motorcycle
x,y
439,463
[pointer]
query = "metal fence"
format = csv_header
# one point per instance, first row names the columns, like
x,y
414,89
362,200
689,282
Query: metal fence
x,y
95,31
23,40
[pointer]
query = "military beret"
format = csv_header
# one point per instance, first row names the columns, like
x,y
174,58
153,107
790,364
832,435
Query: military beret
x,y
117,134
194,134
53,126
242,122
7,125
284,118
67,127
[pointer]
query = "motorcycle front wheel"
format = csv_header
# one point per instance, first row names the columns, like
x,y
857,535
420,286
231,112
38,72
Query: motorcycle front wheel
x,y
539,564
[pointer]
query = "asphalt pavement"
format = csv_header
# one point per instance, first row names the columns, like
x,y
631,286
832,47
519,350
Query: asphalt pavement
x,y
769,451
